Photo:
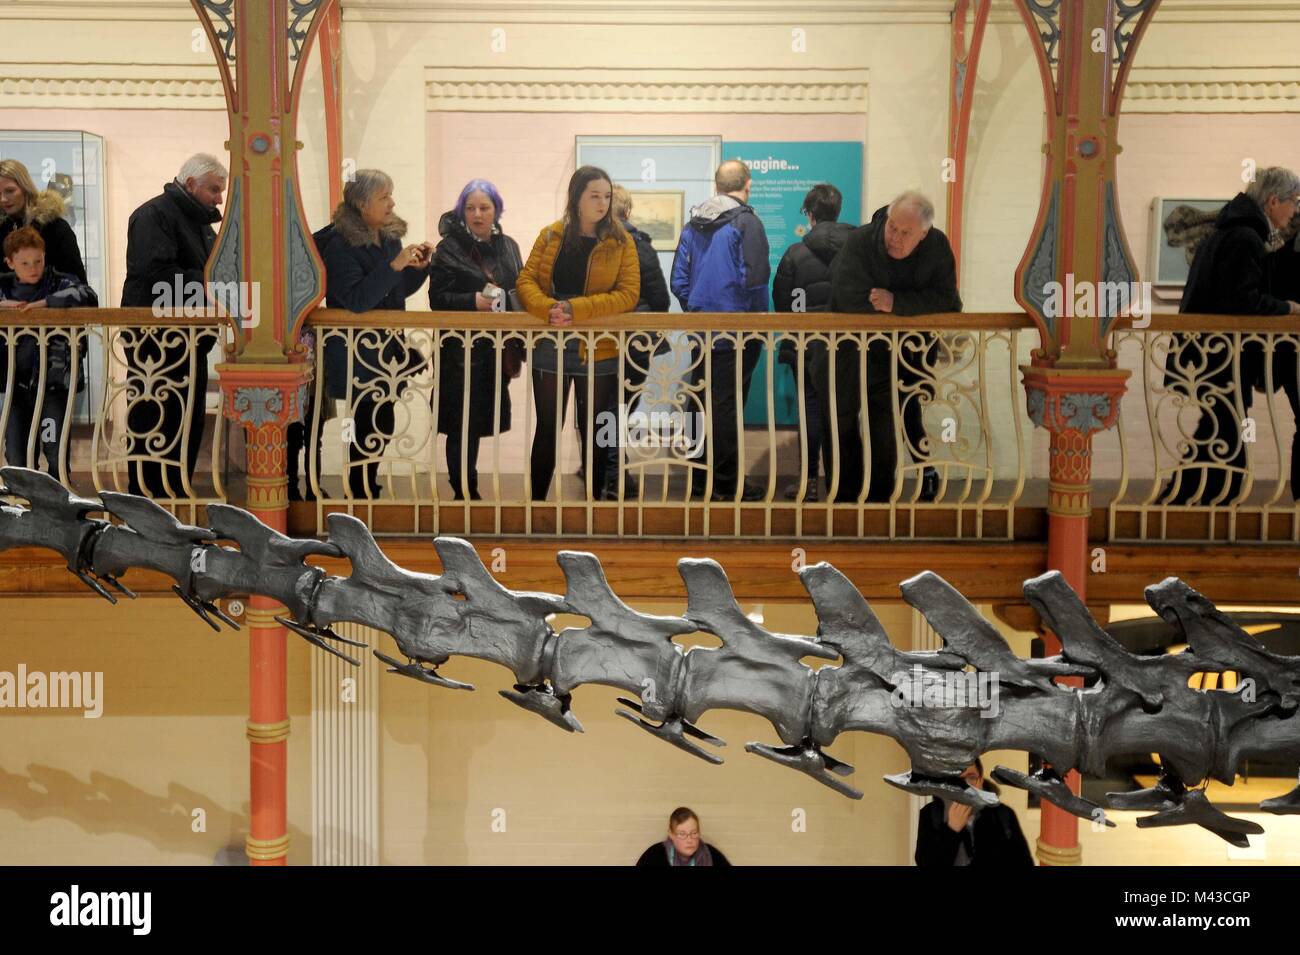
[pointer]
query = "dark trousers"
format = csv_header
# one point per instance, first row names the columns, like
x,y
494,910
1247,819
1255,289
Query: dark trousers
x,y
22,411
815,403
551,392
469,481
722,422
848,452
1219,423
372,429
296,437
166,413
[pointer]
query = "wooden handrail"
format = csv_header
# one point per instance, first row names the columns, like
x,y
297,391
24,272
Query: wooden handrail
x,y
677,321
653,321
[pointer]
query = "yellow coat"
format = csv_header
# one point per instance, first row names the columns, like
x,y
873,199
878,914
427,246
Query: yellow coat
x,y
613,283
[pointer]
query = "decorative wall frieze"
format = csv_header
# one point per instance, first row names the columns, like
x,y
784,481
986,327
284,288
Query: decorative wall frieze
x,y
1216,89
475,89
112,86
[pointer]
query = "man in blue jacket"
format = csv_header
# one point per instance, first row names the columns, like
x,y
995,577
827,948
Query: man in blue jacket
x,y
722,265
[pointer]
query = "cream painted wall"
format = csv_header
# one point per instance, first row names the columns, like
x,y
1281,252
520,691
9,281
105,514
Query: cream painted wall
x,y
121,789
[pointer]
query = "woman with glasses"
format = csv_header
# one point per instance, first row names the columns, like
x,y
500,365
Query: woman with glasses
x,y
684,844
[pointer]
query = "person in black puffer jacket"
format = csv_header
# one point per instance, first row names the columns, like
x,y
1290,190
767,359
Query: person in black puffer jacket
x,y
803,284
953,834
474,257
1229,276
367,267
1283,270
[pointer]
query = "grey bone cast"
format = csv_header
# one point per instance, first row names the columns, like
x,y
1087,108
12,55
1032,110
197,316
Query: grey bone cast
x,y
1129,704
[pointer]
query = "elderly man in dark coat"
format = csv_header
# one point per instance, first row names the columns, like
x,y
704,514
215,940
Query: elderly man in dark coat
x,y
168,241
1229,276
897,264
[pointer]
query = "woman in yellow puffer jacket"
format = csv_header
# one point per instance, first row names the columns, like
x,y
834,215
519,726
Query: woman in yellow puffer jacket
x,y
582,267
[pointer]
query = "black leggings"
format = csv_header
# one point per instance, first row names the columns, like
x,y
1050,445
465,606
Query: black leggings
x,y
458,486
551,391
372,424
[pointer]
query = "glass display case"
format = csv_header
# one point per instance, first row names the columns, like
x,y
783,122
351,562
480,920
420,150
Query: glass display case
x,y
71,162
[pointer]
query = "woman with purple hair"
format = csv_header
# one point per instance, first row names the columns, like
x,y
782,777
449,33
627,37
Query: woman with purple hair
x,y
474,269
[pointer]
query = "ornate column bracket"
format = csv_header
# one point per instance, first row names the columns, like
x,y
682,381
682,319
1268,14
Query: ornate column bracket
x,y
264,247
1078,239
265,399
1073,407
1048,27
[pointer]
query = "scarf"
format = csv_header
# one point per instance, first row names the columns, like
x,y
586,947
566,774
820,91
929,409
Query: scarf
x,y
702,855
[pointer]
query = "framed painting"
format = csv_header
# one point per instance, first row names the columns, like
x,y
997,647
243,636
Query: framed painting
x,y
660,214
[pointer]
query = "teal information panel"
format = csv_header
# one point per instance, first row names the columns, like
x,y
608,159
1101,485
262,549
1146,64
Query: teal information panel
x,y
782,175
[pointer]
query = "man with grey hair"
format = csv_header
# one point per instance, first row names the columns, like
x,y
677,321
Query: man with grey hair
x,y
896,264
1228,276
168,242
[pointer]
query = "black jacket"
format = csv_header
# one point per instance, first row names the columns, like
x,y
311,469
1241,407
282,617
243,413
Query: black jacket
x,y
924,283
456,275
807,265
996,840
359,277
1229,275
1283,270
170,235
656,857
61,250
59,291
654,287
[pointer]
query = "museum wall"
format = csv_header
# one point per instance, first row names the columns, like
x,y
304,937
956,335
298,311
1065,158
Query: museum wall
x,y
122,789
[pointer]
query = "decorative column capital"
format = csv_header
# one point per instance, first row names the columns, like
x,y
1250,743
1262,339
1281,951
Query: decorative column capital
x,y
1083,401
1072,404
265,399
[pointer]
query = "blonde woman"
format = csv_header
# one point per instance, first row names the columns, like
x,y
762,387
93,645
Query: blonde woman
x,y
21,204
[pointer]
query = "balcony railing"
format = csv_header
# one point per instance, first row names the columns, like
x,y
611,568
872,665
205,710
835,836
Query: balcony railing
x,y
945,381
131,378
1202,453
946,388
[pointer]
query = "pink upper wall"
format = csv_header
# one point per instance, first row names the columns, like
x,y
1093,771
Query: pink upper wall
x,y
1193,155
143,150
530,156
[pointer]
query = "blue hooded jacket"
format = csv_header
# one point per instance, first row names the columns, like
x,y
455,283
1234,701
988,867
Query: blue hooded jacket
x,y
722,263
